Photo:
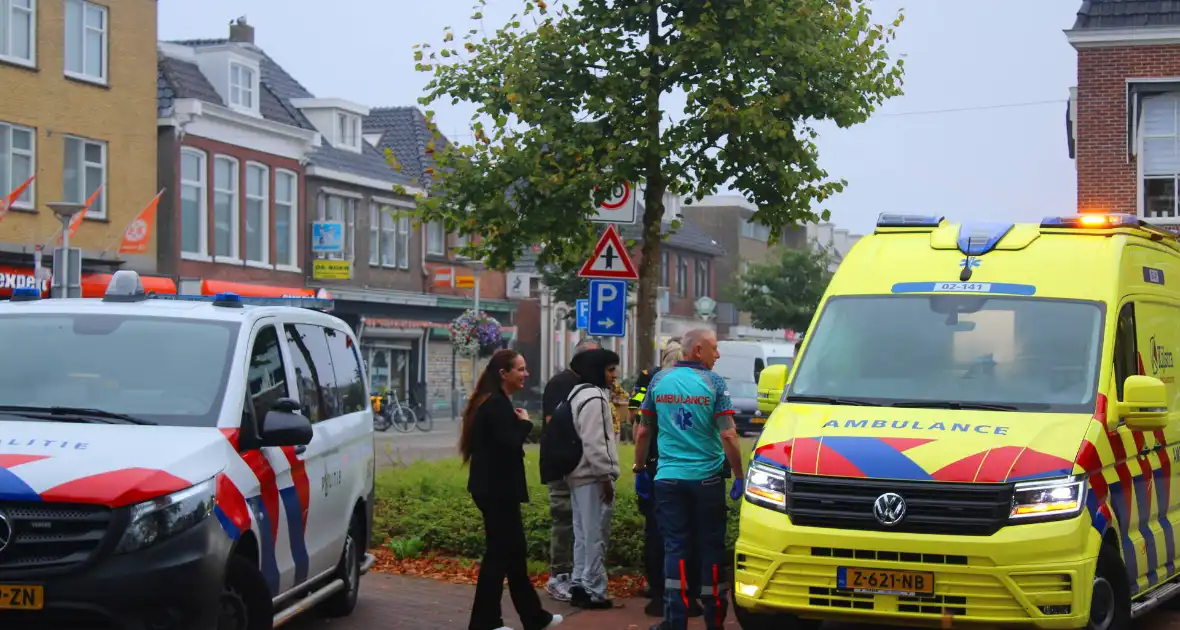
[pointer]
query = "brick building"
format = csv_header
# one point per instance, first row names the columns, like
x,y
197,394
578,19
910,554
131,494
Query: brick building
x,y
1124,114
78,121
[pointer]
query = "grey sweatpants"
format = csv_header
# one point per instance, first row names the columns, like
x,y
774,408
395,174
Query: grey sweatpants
x,y
591,533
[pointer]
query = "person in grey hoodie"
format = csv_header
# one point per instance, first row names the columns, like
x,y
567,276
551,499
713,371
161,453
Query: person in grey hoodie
x,y
592,483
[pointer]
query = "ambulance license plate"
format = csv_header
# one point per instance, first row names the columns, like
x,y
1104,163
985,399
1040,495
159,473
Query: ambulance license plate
x,y
21,597
885,581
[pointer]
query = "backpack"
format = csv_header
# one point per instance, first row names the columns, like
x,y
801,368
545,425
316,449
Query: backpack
x,y
561,447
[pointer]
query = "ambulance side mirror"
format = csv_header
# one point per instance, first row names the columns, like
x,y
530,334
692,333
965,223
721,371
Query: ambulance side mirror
x,y
773,380
1145,404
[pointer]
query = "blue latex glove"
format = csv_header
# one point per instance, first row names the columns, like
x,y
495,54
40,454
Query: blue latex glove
x,y
738,489
643,485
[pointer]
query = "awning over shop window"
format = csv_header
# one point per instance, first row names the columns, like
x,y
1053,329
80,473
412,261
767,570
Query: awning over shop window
x,y
213,287
94,285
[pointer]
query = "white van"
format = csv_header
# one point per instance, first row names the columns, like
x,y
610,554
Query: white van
x,y
180,464
745,360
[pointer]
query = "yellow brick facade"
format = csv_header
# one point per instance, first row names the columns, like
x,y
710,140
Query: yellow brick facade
x,y
122,113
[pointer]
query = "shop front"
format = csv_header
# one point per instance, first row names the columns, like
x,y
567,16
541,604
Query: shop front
x,y
94,285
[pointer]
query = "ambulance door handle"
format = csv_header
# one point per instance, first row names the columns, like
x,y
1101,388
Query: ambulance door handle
x,y
1143,454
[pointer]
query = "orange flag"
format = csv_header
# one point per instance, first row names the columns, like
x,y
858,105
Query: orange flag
x,y
7,202
77,220
139,232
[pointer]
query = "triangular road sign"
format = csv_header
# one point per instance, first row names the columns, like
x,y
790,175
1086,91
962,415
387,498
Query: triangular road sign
x,y
610,259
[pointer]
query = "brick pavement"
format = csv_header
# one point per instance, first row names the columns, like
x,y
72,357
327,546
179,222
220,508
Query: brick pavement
x,y
401,603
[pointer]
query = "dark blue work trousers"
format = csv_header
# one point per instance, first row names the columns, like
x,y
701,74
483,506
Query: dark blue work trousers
x,y
692,517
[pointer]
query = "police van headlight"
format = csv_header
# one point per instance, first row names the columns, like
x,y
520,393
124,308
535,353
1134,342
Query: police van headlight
x,y
166,516
1048,500
767,486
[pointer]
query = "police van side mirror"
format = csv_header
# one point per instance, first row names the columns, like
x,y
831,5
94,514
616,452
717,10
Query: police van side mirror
x,y
283,428
1145,403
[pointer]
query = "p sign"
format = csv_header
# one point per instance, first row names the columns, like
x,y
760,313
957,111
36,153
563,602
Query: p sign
x,y
608,308
619,206
582,314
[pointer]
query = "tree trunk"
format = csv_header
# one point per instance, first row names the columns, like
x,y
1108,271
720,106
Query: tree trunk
x,y
653,202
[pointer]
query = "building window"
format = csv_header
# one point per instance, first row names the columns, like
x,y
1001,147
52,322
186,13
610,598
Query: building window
x,y
461,241
286,218
342,210
225,207
194,209
348,130
702,287
257,217
436,241
403,241
17,26
664,269
756,231
85,172
374,234
681,276
86,40
1159,157
17,159
382,236
241,85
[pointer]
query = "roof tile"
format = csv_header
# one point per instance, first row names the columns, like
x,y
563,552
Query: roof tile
x,y
1127,13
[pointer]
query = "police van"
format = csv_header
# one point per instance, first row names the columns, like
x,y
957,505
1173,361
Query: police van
x,y
180,464
982,428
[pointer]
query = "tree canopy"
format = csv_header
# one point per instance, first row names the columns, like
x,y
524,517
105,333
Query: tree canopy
x,y
683,96
784,292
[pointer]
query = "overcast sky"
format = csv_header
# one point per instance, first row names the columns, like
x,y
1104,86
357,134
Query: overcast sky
x,y
979,134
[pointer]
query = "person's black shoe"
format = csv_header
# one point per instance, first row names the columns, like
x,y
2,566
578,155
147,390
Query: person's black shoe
x,y
654,608
694,609
579,598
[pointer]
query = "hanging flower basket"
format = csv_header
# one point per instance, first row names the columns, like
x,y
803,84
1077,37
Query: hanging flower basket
x,y
476,334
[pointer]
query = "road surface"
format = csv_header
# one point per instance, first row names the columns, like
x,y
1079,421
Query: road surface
x,y
394,448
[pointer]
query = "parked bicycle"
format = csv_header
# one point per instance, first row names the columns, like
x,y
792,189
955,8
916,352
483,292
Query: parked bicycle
x,y
390,411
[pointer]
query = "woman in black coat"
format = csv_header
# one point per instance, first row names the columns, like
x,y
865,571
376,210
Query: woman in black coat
x,y
492,443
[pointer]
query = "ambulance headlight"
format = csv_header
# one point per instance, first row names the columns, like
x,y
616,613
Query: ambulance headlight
x,y
1048,500
166,516
767,486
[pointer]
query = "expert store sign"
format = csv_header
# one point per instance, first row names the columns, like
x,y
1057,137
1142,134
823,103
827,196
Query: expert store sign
x,y
20,279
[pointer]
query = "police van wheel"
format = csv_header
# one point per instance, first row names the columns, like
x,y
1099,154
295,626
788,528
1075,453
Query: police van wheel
x,y
770,621
245,598
1110,601
343,602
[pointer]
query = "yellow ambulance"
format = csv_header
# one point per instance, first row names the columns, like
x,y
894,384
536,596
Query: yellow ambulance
x,y
982,429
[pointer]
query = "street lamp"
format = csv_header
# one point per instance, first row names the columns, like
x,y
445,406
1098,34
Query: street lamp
x,y
63,285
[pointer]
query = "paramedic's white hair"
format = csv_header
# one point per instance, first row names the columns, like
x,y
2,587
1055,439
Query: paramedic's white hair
x,y
694,338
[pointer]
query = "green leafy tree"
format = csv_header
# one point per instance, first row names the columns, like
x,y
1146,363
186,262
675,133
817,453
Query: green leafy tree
x,y
784,293
682,96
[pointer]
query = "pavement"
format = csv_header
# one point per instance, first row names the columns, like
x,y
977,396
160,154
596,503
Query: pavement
x,y
395,448
403,603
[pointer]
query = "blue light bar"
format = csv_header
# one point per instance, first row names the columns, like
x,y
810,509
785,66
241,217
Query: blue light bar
x,y
977,239
26,294
1093,221
887,220
233,300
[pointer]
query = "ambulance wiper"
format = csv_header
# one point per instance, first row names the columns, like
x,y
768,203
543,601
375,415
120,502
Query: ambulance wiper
x,y
943,404
82,413
830,400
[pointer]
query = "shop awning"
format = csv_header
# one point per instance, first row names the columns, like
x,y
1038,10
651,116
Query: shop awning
x,y
94,285
213,287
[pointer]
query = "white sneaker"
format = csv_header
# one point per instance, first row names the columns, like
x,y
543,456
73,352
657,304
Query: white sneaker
x,y
557,619
558,587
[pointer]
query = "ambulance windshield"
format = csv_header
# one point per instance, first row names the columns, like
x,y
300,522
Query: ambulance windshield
x,y
1016,353
167,371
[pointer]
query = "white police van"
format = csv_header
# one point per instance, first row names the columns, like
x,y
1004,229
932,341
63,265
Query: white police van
x,y
180,464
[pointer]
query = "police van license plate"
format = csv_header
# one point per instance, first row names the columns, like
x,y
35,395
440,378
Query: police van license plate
x,y
20,597
884,581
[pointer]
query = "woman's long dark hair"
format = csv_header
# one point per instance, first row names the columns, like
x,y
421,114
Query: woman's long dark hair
x,y
489,383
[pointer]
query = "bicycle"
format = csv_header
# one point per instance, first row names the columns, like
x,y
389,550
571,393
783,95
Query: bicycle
x,y
392,413
422,417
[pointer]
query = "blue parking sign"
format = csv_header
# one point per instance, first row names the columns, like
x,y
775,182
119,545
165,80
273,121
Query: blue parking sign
x,y
608,308
583,314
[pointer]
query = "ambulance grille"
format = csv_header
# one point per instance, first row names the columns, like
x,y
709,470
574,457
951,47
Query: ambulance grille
x,y
931,507
51,536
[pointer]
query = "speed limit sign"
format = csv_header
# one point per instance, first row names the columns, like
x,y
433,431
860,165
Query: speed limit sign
x,y
619,206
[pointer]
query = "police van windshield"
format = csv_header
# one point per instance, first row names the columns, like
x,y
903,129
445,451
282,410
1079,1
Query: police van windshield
x,y
166,371
1025,354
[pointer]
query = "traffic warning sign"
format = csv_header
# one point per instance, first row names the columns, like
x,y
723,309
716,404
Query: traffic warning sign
x,y
610,259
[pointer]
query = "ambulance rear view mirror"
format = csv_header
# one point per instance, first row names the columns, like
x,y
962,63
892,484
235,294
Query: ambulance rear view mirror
x,y
773,379
1145,404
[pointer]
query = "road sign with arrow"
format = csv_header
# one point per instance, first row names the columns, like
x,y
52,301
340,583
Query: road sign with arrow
x,y
610,260
608,308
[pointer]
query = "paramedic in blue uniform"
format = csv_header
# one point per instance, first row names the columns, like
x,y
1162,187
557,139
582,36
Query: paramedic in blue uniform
x,y
690,408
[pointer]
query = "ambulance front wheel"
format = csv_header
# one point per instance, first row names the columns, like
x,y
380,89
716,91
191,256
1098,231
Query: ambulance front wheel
x,y
1110,601
749,620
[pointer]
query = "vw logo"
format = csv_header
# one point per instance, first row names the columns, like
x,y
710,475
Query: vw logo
x,y
889,509
6,533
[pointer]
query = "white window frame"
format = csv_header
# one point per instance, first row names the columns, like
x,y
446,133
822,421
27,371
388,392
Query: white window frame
x,y
202,186
99,212
374,234
402,238
104,33
389,228
1141,147
10,10
348,130
235,211
239,90
291,206
349,220
435,231
28,199
265,199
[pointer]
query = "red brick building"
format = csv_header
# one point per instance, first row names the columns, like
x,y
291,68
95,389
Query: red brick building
x,y
1124,114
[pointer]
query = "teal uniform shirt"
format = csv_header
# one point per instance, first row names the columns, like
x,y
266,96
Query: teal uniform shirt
x,y
690,404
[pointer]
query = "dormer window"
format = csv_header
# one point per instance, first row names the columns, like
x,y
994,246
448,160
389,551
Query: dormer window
x,y
348,130
243,90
